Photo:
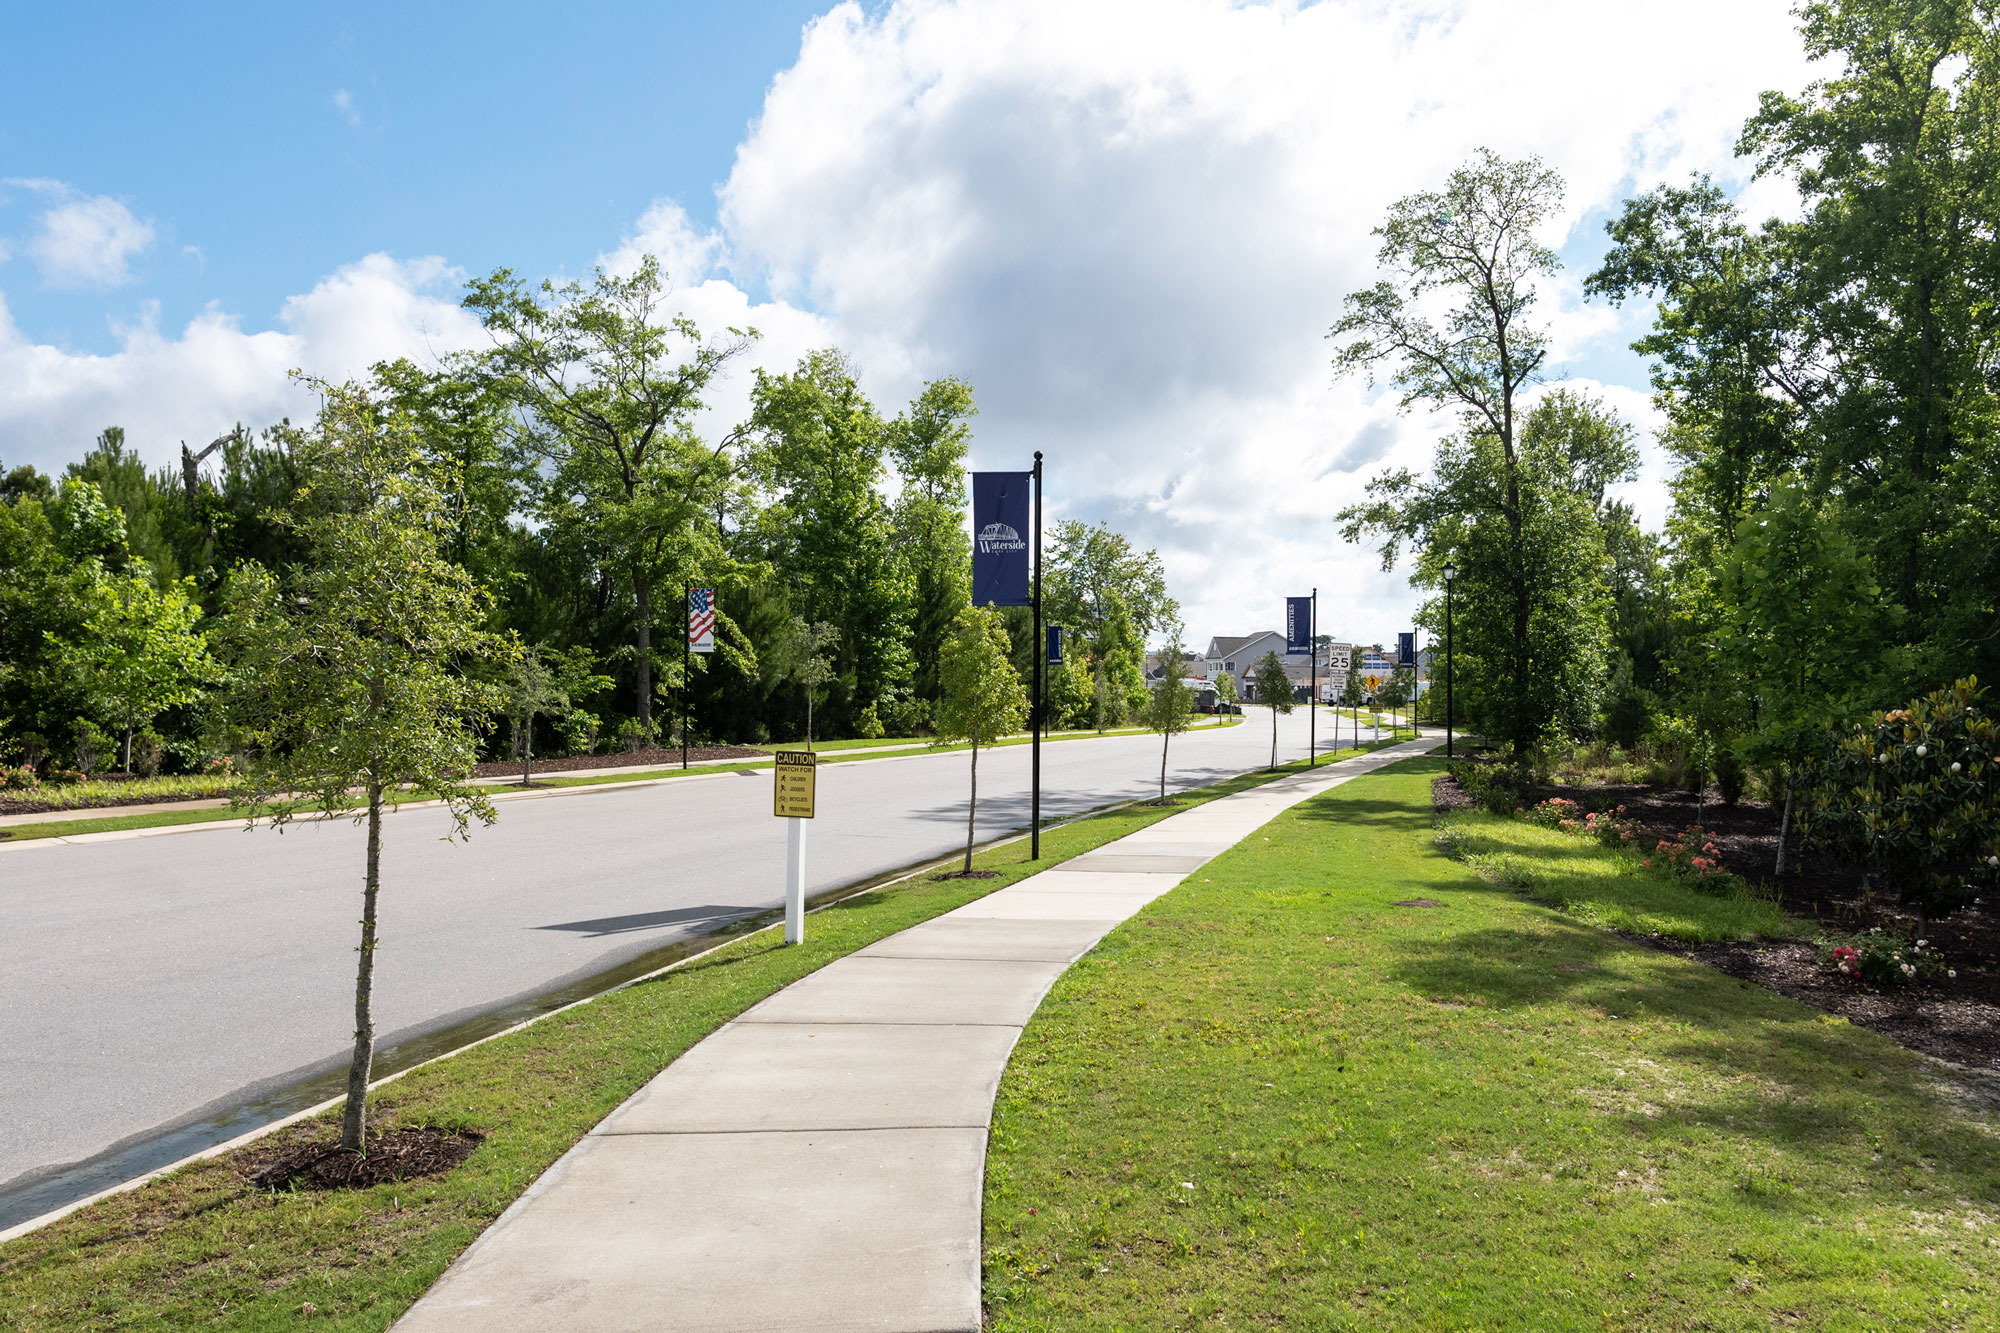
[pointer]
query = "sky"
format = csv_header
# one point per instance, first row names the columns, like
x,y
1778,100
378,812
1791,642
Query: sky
x,y
1127,223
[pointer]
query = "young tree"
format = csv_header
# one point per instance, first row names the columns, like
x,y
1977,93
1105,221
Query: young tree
x,y
805,654
1274,691
980,694
140,653
1171,705
544,682
1225,689
605,393
351,684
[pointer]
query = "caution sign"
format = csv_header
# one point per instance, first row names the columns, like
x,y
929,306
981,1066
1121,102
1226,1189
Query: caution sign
x,y
792,793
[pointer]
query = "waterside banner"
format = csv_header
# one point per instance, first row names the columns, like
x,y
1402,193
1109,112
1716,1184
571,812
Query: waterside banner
x,y
1001,524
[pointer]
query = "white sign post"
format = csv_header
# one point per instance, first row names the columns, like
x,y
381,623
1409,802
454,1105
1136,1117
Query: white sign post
x,y
792,800
795,882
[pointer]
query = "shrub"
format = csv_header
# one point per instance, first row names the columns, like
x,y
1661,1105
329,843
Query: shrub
x,y
18,779
34,748
1556,812
1914,795
1883,960
92,746
1730,776
147,751
1500,788
1695,858
869,725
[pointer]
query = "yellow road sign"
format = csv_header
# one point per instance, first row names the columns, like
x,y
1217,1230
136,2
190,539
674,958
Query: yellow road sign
x,y
792,793
1373,683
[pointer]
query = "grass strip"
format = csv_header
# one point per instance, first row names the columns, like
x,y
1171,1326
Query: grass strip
x,y
1608,886
1275,1098
200,1248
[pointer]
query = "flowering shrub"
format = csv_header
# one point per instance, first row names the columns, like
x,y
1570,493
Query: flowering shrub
x,y
1555,812
18,779
1695,858
1610,827
1914,795
1884,960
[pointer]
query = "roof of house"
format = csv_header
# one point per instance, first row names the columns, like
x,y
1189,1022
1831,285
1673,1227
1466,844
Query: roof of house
x,y
1223,645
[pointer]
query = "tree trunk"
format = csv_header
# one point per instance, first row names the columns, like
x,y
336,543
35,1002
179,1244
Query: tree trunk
x,y
1165,736
809,719
128,742
354,1123
1784,827
972,806
1274,736
527,749
644,596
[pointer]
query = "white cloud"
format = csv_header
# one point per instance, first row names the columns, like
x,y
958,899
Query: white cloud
x,y
343,102
213,374
1130,222
85,240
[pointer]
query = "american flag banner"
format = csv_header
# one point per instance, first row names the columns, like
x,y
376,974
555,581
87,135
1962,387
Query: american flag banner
x,y
701,620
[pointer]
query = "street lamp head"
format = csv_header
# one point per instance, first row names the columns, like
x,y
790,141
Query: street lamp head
x,y
1450,573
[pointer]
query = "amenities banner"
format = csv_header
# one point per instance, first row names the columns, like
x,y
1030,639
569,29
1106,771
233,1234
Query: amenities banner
x,y
1000,524
1298,624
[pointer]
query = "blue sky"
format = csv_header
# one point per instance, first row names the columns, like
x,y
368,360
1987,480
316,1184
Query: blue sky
x,y
497,134
1128,223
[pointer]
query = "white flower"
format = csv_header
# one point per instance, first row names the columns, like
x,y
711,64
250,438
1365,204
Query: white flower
x,y
1909,971
1951,972
1922,943
1923,750
1993,861
1954,765
1881,758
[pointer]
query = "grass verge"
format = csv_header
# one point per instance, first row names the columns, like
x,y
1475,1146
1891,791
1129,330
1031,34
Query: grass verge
x,y
201,1248
1605,885
1277,1099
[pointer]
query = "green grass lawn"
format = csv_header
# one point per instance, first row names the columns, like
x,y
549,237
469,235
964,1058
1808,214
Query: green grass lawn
x,y
199,1248
1275,1099
1605,886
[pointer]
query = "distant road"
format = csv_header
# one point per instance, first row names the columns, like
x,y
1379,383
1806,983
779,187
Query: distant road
x,y
150,981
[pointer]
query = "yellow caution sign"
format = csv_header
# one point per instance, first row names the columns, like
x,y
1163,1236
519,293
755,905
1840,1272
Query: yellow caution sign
x,y
792,793
1373,683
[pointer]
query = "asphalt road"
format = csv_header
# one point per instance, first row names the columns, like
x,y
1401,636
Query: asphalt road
x,y
152,980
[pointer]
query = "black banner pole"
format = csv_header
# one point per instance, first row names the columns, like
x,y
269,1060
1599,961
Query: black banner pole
x,y
1041,651
1312,704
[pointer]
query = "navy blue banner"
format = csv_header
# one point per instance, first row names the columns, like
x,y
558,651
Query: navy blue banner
x,y
1055,645
1406,650
1001,526
1298,624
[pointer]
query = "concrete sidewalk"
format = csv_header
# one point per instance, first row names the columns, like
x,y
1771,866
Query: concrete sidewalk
x,y
818,1162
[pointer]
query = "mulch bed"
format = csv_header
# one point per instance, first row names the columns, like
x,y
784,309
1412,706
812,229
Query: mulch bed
x,y
968,874
653,757
1956,1020
393,1155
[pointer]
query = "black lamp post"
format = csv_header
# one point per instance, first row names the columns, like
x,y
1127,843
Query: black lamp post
x,y
1450,573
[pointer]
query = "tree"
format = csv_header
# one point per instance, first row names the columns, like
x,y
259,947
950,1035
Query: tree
x,y
1532,599
1170,707
980,695
139,653
805,654
544,682
605,394
929,443
351,685
1274,690
1112,598
818,455
1225,688
1474,247
1809,626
